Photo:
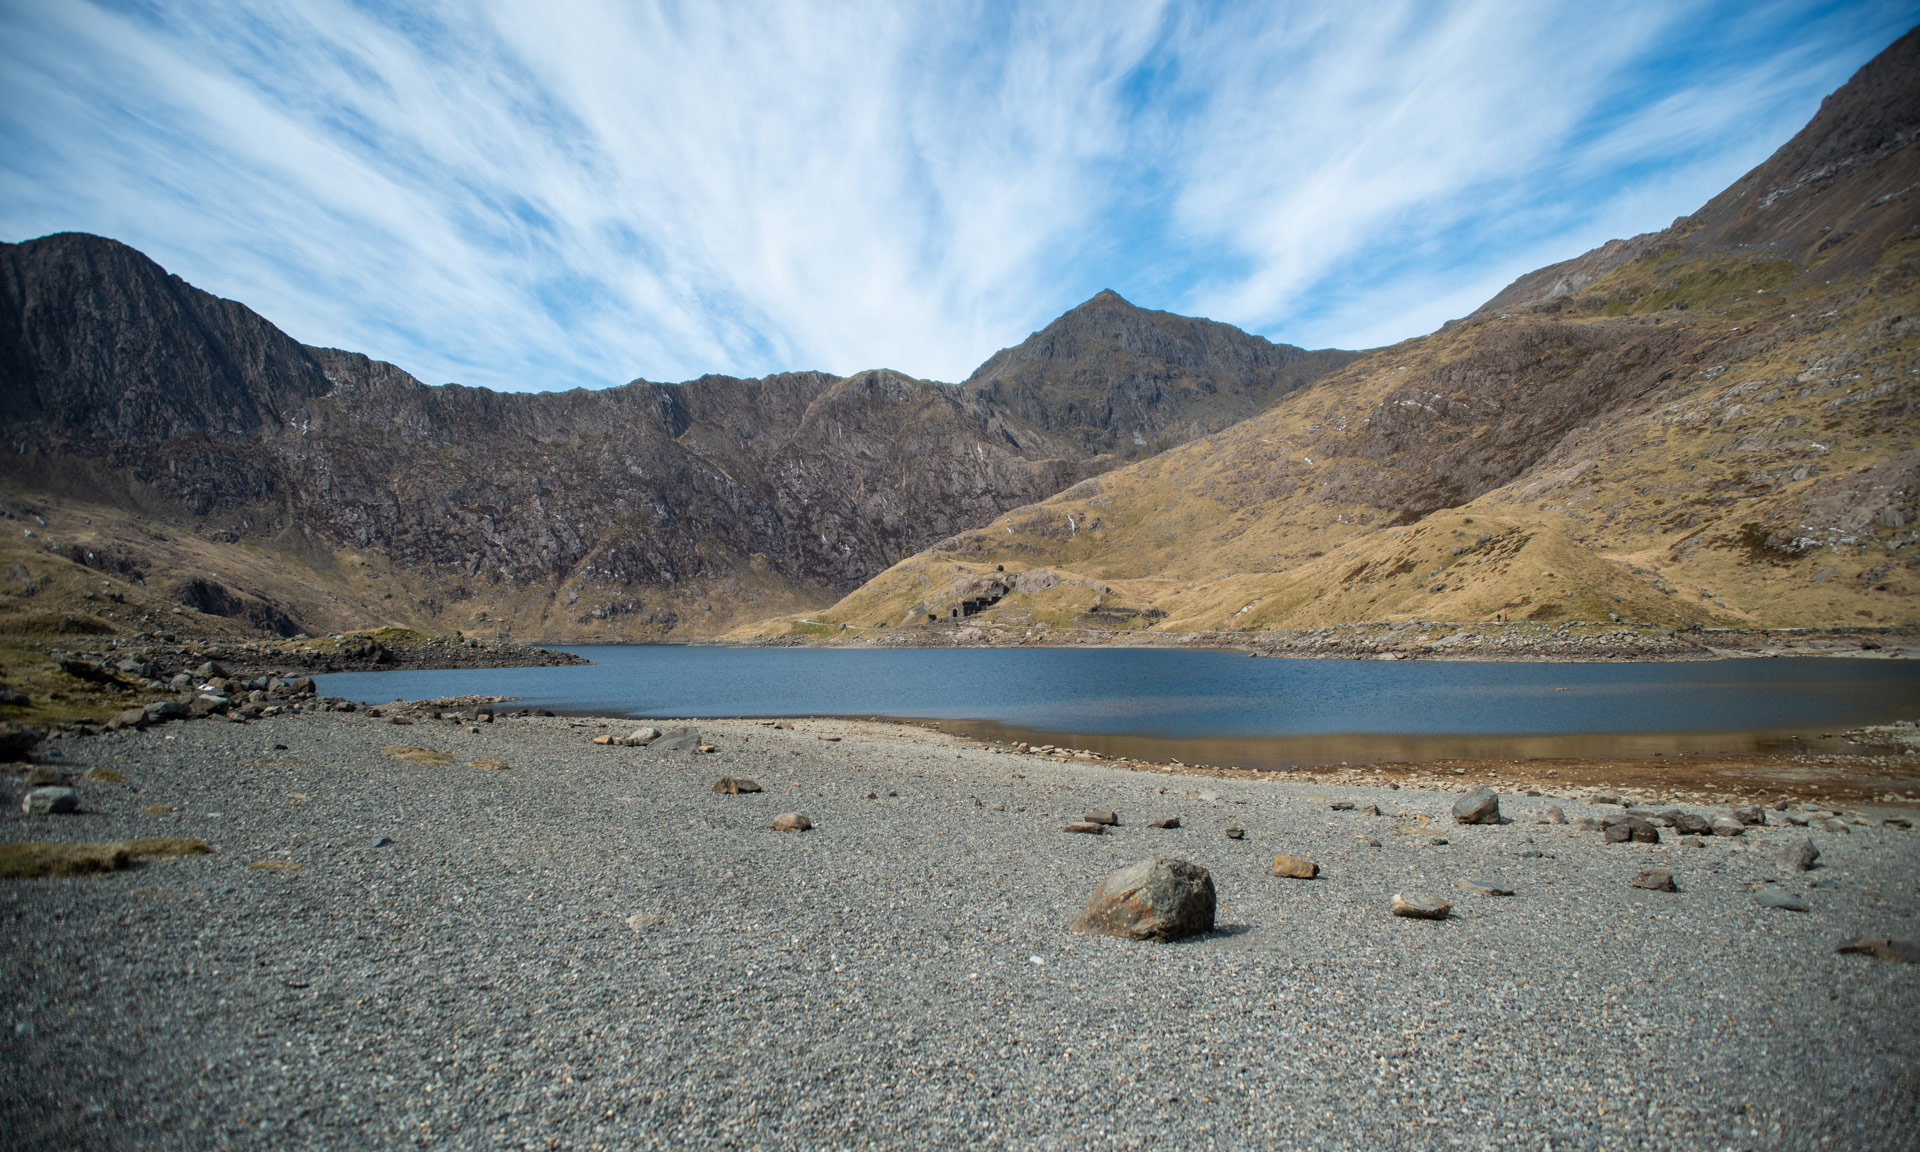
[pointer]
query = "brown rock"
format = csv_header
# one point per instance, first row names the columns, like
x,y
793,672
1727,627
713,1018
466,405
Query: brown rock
x,y
1087,829
735,786
1295,867
1159,899
791,822
1655,880
1236,833
1101,816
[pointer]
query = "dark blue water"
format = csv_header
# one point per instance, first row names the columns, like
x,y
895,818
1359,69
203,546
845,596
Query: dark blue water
x,y
1218,707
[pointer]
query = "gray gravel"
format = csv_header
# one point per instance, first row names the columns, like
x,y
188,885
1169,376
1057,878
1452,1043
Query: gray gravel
x,y
592,950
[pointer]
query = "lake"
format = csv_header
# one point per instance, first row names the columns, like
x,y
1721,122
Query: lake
x,y
1217,707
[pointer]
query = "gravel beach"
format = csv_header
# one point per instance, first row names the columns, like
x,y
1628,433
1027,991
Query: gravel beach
x,y
588,948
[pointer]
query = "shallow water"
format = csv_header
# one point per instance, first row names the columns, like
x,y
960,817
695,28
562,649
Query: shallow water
x,y
1216,707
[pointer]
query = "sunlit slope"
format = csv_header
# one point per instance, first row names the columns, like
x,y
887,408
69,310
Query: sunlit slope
x,y
1719,423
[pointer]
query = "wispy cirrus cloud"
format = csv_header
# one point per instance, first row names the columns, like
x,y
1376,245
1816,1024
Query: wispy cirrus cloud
x,y
574,194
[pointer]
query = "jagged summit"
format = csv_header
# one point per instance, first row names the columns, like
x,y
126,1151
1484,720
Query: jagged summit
x,y
1109,376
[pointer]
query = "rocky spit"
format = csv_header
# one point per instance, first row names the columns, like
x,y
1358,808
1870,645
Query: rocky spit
x,y
474,932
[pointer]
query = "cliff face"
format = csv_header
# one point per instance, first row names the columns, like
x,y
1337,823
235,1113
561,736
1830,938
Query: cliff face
x,y
1716,423
623,512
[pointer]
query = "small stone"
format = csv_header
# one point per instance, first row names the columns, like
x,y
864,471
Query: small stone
x,y
641,737
1605,798
1779,898
1553,815
1692,842
1342,806
1159,899
1588,824
1897,822
1086,829
735,786
381,842
1881,948
1101,816
873,795
1438,841
603,740
42,776
1750,815
1295,867
46,801
1370,810
1727,826
708,748
1655,880
1798,856
1236,833
1484,887
791,822
1169,822
1831,825
1420,907
1369,841
1479,806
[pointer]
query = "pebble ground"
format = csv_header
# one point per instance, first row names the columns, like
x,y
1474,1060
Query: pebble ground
x,y
589,949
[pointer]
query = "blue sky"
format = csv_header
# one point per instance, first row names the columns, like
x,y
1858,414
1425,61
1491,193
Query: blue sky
x,y
581,192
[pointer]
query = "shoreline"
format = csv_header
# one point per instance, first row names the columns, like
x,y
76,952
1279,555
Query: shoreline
x,y
1520,641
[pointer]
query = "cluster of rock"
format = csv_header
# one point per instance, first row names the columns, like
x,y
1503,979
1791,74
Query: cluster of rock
x,y
1642,826
647,736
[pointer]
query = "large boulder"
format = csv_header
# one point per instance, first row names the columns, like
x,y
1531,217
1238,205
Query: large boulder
x,y
1158,899
1479,806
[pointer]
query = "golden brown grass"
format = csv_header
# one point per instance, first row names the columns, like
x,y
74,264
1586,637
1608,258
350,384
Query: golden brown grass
x,y
432,757
42,858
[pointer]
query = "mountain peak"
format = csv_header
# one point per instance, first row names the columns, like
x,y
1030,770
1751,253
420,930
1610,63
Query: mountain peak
x,y
1107,298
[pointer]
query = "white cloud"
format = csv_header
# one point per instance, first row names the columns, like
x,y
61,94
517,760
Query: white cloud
x,y
576,193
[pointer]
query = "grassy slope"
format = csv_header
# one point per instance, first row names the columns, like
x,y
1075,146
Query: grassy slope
x,y
1741,449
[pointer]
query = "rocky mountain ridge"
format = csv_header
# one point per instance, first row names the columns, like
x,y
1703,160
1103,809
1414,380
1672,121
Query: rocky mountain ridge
x,y
640,511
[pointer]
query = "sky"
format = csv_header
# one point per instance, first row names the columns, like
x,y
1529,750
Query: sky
x,y
577,193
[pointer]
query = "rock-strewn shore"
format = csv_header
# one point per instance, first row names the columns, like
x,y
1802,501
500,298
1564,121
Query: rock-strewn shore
x,y
1419,640
473,933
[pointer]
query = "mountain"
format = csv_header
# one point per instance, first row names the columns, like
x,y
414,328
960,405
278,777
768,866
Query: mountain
x,y
1717,423
1108,377
243,475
